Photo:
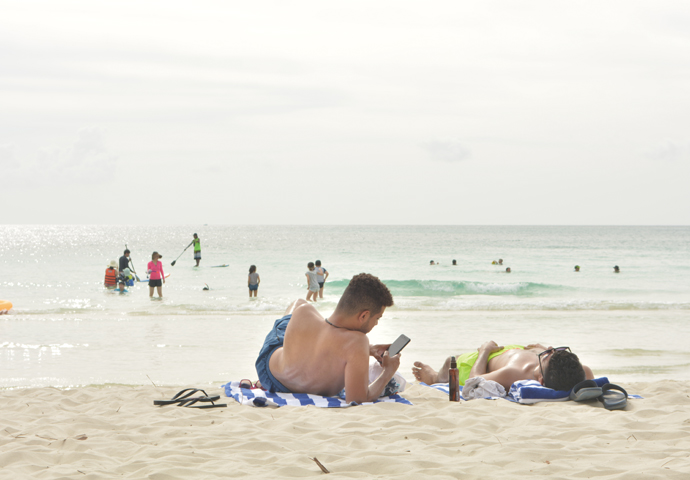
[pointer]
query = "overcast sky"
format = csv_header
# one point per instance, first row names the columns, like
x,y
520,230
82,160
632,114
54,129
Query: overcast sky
x,y
357,112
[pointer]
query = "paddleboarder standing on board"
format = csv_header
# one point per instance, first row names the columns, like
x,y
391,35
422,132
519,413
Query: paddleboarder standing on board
x,y
197,249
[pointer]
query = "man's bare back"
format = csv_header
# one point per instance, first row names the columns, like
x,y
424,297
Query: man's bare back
x,y
324,356
315,353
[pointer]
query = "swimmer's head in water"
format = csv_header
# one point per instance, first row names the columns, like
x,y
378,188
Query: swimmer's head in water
x,y
577,268
455,262
508,270
616,269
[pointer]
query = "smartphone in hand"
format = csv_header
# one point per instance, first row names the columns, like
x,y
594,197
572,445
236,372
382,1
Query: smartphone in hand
x,y
397,346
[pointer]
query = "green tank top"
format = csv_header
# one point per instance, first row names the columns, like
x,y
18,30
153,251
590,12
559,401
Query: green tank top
x,y
197,244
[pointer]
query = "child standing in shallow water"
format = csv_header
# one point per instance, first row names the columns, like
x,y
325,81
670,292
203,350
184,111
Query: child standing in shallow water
x,y
312,282
253,281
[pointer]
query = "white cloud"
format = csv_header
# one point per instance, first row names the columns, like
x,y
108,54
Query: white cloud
x,y
86,161
669,151
452,151
7,156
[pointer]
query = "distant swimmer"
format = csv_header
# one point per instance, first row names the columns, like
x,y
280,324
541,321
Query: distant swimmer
x,y
253,281
508,270
455,262
616,269
432,262
197,249
111,274
156,274
312,283
321,276
577,268
500,261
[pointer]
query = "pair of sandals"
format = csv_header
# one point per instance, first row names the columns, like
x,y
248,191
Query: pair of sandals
x,y
612,396
186,398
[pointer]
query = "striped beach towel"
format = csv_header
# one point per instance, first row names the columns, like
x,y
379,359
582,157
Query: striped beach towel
x,y
261,398
528,392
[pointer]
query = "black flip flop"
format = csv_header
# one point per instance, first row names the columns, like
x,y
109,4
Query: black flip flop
x,y
192,401
181,396
585,390
613,397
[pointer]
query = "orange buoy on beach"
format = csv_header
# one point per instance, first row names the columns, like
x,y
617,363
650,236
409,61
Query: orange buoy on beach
x,y
5,306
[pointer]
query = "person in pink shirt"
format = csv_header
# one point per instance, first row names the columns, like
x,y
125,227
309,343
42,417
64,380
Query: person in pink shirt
x,y
156,274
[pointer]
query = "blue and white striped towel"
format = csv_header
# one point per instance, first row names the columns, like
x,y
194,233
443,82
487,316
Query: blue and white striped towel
x,y
529,391
261,398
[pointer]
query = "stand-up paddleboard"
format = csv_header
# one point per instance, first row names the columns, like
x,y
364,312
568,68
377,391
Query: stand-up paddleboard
x,y
146,280
220,266
5,306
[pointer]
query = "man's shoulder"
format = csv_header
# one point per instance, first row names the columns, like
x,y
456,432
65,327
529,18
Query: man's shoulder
x,y
305,312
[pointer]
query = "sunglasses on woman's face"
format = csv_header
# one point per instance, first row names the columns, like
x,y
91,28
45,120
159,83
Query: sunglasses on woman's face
x,y
550,351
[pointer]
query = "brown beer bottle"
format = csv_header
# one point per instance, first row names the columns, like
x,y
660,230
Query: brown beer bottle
x,y
453,381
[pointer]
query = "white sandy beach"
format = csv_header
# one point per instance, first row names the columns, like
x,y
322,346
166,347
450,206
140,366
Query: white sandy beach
x,y
116,432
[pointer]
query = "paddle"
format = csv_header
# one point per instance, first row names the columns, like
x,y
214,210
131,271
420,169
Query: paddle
x,y
131,264
178,257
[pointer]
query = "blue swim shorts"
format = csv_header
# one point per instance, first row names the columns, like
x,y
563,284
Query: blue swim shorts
x,y
274,340
253,287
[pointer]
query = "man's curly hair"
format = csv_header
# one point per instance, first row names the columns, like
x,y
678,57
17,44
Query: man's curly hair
x,y
365,292
564,371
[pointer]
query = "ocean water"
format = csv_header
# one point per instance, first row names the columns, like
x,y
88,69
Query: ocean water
x,y
66,330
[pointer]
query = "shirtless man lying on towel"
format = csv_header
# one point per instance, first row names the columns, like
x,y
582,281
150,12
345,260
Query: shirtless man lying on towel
x,y
305,353
556,368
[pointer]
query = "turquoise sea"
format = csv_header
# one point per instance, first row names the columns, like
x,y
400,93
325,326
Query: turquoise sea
x,y
66,330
